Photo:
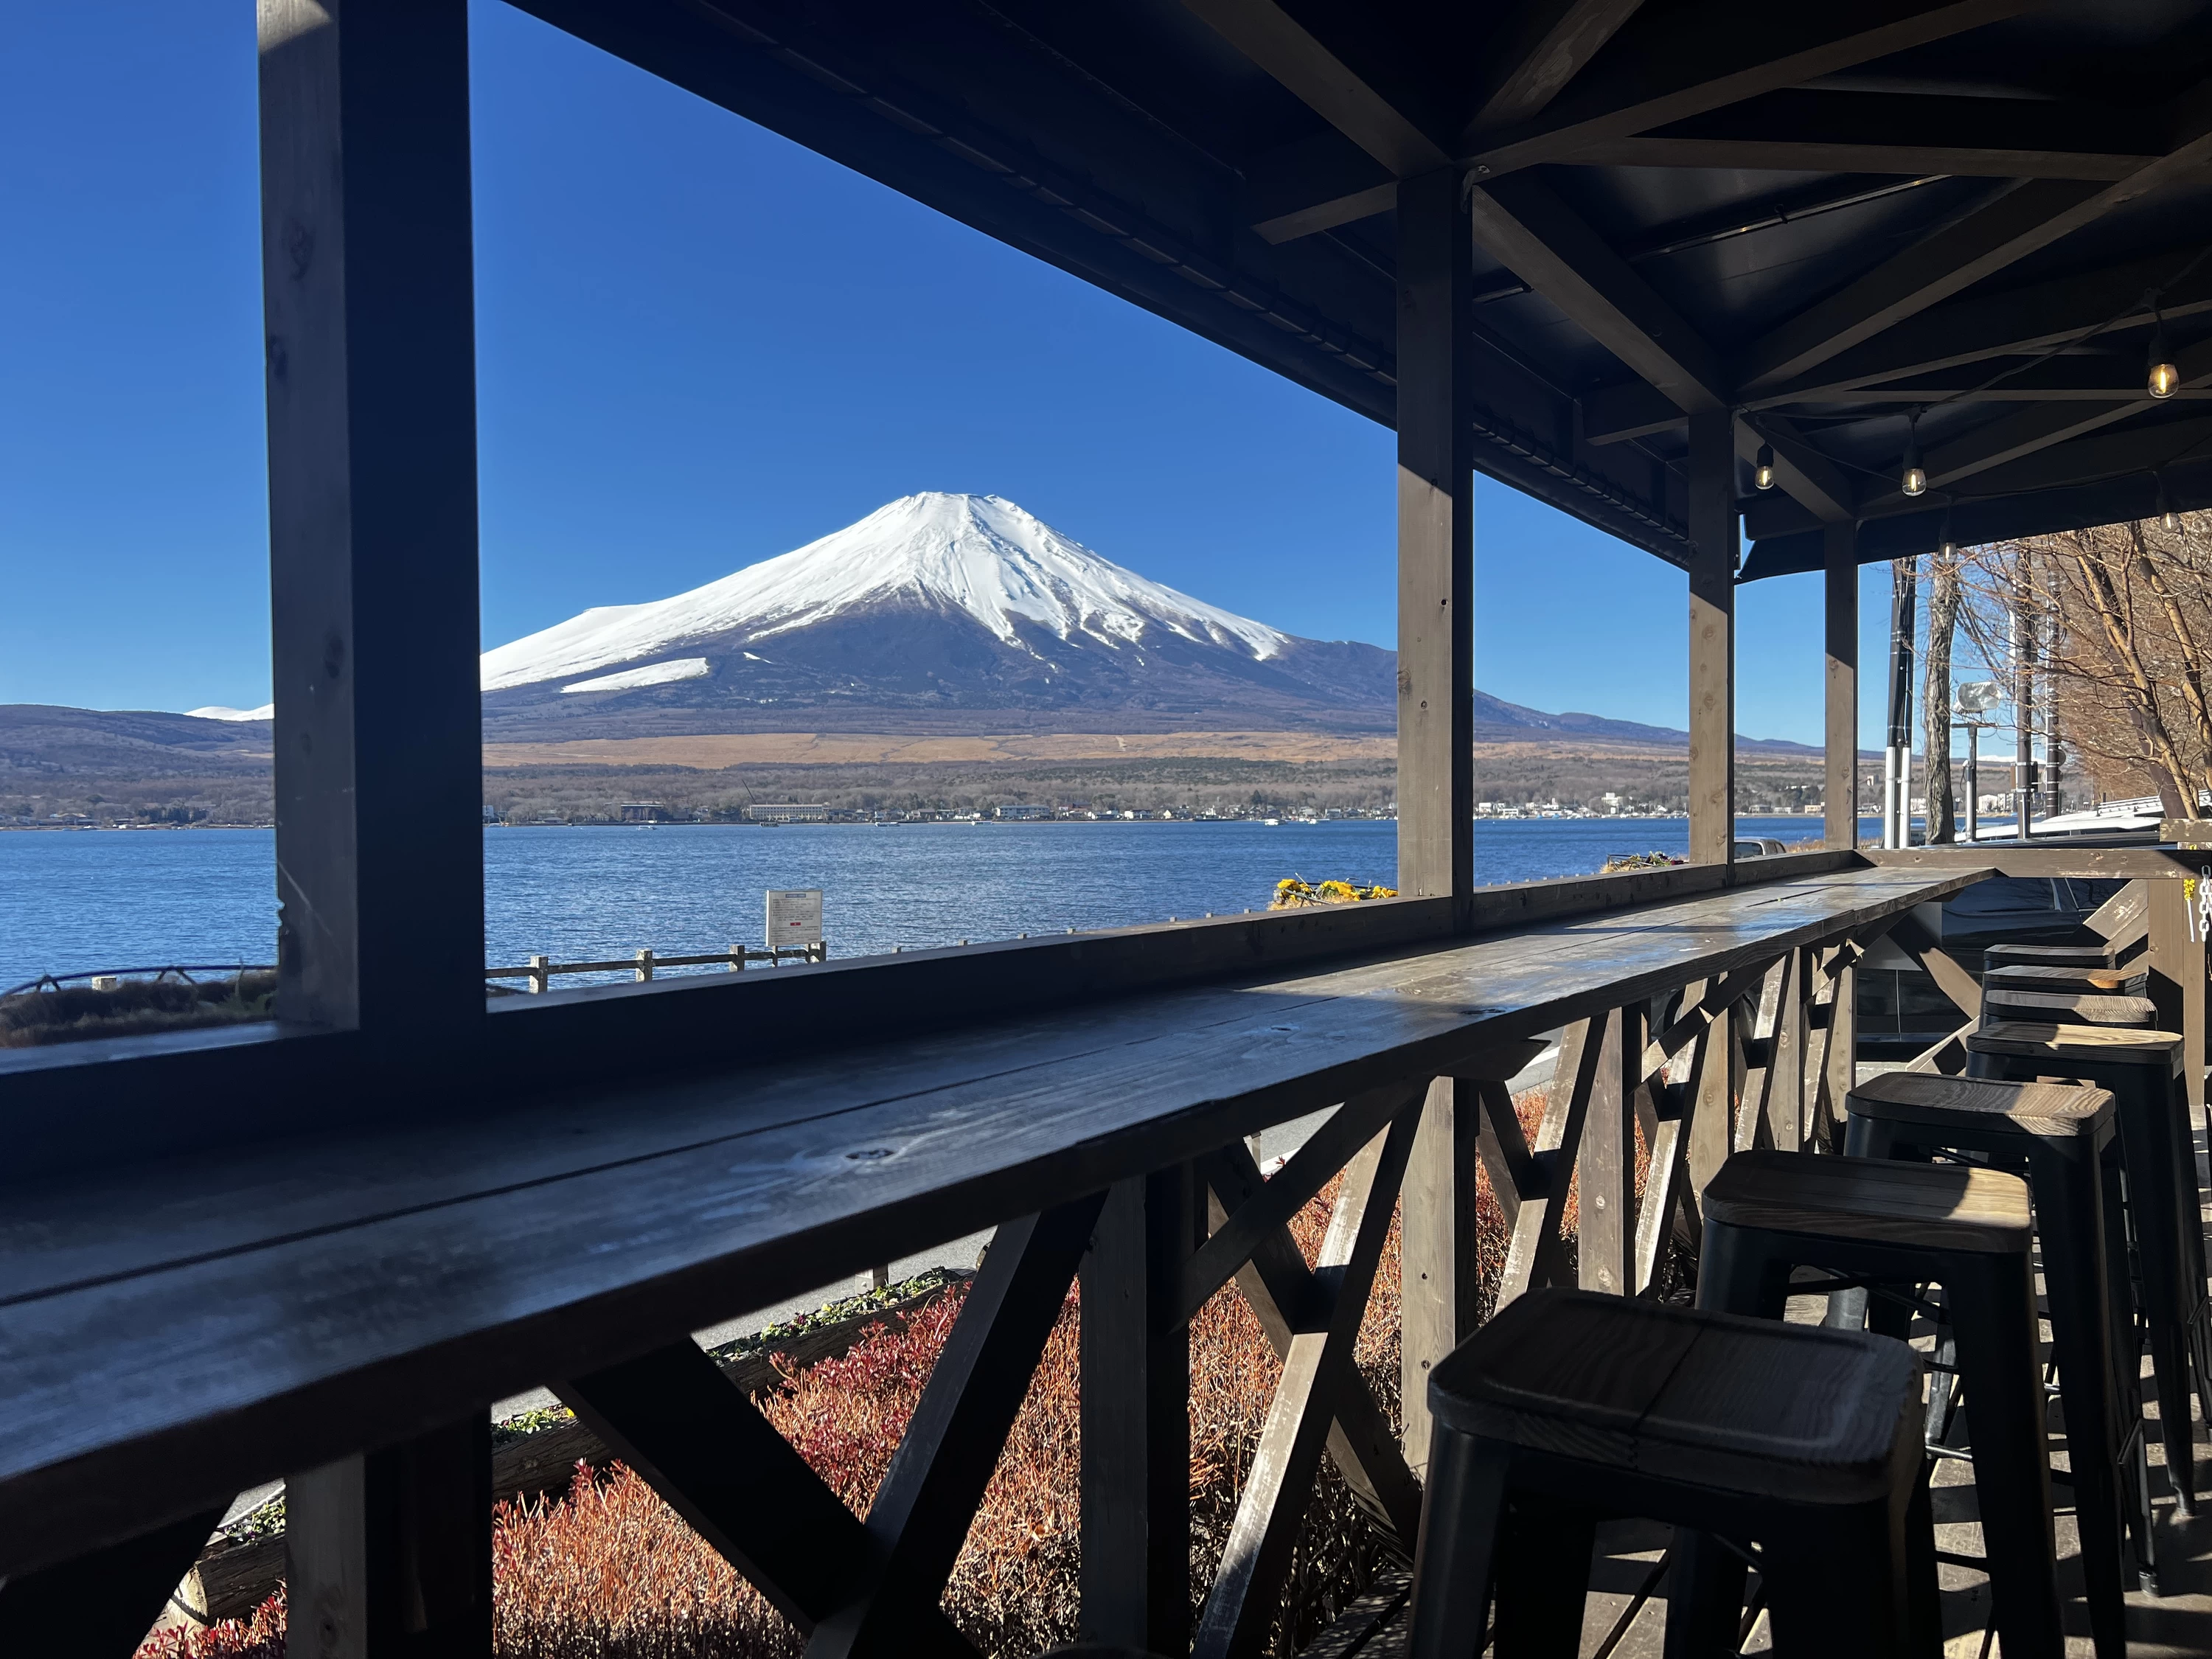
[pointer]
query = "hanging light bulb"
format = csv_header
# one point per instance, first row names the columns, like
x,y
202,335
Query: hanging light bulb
x,y
2160,377
1763,472
1915,481
2168,519
1950,548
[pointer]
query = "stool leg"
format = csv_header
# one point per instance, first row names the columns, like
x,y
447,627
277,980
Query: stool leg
x,y
2070,1220
1840,1591
1543,1578
2147,1147
1462,1514
1989,1301
1705,1596
2127,1348
1740,1272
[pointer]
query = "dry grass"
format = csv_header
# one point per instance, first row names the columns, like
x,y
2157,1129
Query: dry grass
x,y
609,1571
77,1013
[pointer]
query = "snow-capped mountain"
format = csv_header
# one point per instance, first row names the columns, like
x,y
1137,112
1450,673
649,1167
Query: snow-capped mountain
x,y
952,611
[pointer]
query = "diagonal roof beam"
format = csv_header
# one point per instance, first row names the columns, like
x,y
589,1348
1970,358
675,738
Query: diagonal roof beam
x,y
1278,44
1536,236
1670,65
1912,135
1544,49
1810,478
2014,226
2038,317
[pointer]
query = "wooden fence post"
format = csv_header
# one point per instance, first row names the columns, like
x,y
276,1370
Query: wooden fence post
x,y
645,964
541,974
1439,1284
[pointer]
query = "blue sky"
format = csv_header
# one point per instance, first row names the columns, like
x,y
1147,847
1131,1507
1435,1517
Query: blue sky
x,y
699,346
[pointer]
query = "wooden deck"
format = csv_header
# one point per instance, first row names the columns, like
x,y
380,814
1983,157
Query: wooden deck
x,y
170,1335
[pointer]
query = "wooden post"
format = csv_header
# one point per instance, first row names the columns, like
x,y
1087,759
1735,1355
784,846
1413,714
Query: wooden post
x,y
1840,545
1435,735
1713,638
1605,1177
368,302
2177,965
645,964
1136,1415
541,974
389,1553
1439,1287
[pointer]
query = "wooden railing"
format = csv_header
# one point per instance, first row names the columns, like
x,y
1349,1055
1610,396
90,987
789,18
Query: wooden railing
x,y
540,970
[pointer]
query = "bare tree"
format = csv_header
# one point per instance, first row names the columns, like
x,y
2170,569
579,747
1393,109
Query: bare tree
x,y
2126,659
1936,695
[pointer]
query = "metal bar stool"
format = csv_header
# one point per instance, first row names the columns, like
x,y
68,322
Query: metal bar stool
x,y
2000,1002
1802,1443
2142,1072
1968,1230
2065,1138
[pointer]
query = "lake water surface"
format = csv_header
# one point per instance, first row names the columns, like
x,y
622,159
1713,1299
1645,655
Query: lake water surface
x,y
75,901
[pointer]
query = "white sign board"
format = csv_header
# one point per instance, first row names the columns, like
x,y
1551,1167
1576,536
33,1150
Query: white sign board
x,y
794,916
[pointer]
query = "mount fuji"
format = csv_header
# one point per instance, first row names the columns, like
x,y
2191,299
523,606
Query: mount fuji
x,y
936,613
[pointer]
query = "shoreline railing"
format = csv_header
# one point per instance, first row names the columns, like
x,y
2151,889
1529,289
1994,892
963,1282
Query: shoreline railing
x,y
540,969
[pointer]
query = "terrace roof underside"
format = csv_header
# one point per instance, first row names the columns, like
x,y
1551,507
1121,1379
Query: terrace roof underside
x,y
1839,221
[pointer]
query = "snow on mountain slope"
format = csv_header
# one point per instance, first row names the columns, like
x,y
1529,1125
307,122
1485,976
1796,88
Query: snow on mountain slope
x,y
977,554
216,711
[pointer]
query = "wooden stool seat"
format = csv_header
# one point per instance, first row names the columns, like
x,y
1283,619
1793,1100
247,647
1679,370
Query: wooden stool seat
x,y
1944,1206
2002,1003
1742,1405
1569,1406
2054,1110
2049,956
2072,982
2113,1044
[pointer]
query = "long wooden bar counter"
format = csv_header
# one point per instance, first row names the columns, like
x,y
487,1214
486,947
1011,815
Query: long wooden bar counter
x,y
168,1337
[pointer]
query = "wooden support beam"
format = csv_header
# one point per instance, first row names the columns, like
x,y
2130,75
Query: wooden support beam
x,y
1754,1127
1286,1297
1912,135
1806,476
1785,1092
922,1510
1241,1608
1713,638
1605,1167
1667,1196
1632,409
1839,547
1136,1414
1536,1256
389,1553
676,1418
1951,976
1436,543
1542,50
1439,1277
101,1606
2176,966
1671,63
369,306
1521,222
2017,224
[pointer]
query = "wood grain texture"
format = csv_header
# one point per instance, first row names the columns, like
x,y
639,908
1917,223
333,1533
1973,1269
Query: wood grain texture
x,y
2056,1110
2002,1003
1753,1406
2099,1042
151,1330
2064,981
1945,1206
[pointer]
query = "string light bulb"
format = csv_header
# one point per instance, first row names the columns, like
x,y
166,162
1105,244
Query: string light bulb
x,y
2160,377
1763,472
1915,481
1950,549
2168,519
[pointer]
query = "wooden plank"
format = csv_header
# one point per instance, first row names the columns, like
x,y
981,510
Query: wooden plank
x,y
1840,763
390,1551
1786,1072
1546,47
922,1511
1713,638
1285,1297
1136,1414
1605,1163
1712,1086
1536,1256
2123,919
1512,1168
2174,910
1952,978
102,1605
1256,1558
369,301
1439,1281
1754,1125
1436,544
104,1292
1667,1181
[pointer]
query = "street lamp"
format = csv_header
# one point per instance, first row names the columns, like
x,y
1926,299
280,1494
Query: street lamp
x,y
1970,700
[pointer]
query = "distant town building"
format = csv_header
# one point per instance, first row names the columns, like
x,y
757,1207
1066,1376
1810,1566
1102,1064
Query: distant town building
x,y
788,813
1022,811
648,811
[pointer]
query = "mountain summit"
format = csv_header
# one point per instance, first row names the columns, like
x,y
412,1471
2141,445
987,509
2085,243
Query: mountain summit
x,y
958,613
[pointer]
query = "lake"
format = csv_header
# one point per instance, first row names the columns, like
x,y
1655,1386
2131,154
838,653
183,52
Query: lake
x,y
75,900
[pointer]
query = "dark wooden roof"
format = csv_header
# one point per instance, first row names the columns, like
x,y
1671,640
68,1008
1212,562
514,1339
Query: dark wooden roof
x,y
1828,217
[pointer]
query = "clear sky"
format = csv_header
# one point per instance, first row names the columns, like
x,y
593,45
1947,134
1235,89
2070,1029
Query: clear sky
x,y
699,345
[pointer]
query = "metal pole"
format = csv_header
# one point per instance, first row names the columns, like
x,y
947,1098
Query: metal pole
x,y
1897,767
2023,734
1973,782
